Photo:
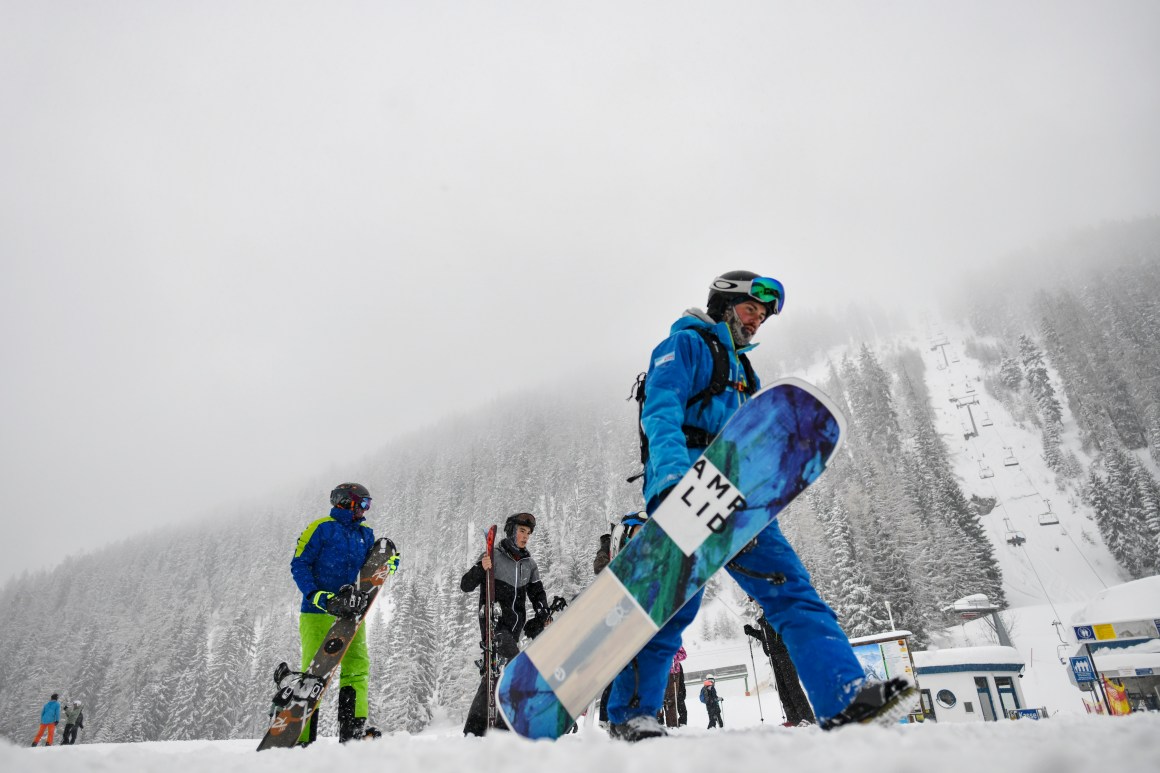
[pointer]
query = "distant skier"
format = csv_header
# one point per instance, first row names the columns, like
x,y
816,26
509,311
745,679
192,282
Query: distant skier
x,y
517,579
789,689
674,711
74,720
49,719
326,565
712,702
697,379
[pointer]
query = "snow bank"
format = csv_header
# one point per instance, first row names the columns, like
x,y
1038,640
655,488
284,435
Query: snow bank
x,y
1060,745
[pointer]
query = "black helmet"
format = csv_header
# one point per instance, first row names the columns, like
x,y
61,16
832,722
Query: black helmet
x,y
733,287
348,495
519,519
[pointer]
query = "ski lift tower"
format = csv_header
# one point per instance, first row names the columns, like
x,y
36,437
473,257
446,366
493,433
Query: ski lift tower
x,y
967,402
975,606
941,343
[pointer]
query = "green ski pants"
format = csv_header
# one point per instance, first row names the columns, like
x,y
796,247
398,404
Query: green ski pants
x,y
355,669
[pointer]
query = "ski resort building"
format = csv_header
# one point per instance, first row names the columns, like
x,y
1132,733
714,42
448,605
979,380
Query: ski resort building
x,y
972,684
1117,662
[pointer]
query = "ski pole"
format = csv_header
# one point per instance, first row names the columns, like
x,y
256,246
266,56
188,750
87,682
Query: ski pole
x,y
756,681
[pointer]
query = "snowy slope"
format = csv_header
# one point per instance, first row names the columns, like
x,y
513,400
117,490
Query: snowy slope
x,y
1060,745
1064,562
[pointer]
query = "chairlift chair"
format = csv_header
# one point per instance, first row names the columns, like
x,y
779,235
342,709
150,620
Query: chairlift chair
x,y
1015,538
1048,518
986,420
985,471
1009,460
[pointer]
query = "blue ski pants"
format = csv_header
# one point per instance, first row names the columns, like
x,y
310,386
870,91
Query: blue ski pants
x,y
826,664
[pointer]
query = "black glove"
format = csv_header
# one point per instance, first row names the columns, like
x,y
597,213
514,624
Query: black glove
x,y
348,602
749,629
536,626
605,542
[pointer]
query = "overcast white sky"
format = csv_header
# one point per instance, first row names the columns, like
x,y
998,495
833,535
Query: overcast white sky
x,y
244,243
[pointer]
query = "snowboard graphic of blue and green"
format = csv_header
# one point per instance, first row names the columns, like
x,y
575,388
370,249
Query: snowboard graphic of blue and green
x,y
771,450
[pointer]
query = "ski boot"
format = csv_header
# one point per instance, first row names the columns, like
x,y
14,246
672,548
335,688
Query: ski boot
x,y
350,727
881,702
637,729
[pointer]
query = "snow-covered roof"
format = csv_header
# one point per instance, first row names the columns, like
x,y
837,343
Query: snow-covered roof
x,y
982,658
1138,600
1146,654
880,637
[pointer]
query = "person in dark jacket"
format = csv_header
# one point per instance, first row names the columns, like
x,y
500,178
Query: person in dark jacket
x,y
517,581
49,719
674,712
789,689
619,535
712,702
326,565
74,720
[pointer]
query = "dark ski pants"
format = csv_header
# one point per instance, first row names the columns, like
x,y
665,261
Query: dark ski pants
x,y
715,717
476,724
70,735
825,661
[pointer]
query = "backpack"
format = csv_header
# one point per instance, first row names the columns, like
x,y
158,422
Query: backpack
x,y
696,437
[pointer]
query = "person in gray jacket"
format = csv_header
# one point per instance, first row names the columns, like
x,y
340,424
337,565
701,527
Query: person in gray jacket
x,y
517,580
74,720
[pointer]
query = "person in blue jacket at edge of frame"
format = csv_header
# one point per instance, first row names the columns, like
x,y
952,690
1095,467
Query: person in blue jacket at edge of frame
x,y
678,420
326,564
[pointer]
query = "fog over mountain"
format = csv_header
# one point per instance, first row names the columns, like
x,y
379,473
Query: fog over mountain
x,y
246,244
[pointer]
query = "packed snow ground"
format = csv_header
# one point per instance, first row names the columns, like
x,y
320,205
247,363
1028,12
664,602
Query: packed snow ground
x,y
1060,745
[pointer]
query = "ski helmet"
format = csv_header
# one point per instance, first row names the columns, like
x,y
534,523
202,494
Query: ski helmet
x,y
628,522
733,287
519,519
348,496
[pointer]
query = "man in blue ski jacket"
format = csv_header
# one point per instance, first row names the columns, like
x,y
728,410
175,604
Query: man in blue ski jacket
x,y
697,378
330,553
49,719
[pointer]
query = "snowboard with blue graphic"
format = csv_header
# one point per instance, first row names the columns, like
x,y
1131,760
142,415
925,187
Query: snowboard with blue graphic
x,y
771,450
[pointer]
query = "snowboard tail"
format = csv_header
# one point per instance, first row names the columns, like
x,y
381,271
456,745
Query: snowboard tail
x,y
771,450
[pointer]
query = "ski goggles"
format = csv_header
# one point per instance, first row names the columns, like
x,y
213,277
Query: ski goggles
x,y
763,288
364,503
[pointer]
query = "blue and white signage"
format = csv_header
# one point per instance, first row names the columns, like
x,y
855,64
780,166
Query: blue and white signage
x,y
1082,668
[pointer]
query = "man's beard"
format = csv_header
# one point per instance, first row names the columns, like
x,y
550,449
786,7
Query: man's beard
x,y
741,336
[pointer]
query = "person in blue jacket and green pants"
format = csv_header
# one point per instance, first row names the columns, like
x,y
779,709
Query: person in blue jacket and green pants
x,y
330,553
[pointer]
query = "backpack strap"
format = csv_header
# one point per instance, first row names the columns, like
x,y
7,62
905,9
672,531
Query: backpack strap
x,y
696,437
